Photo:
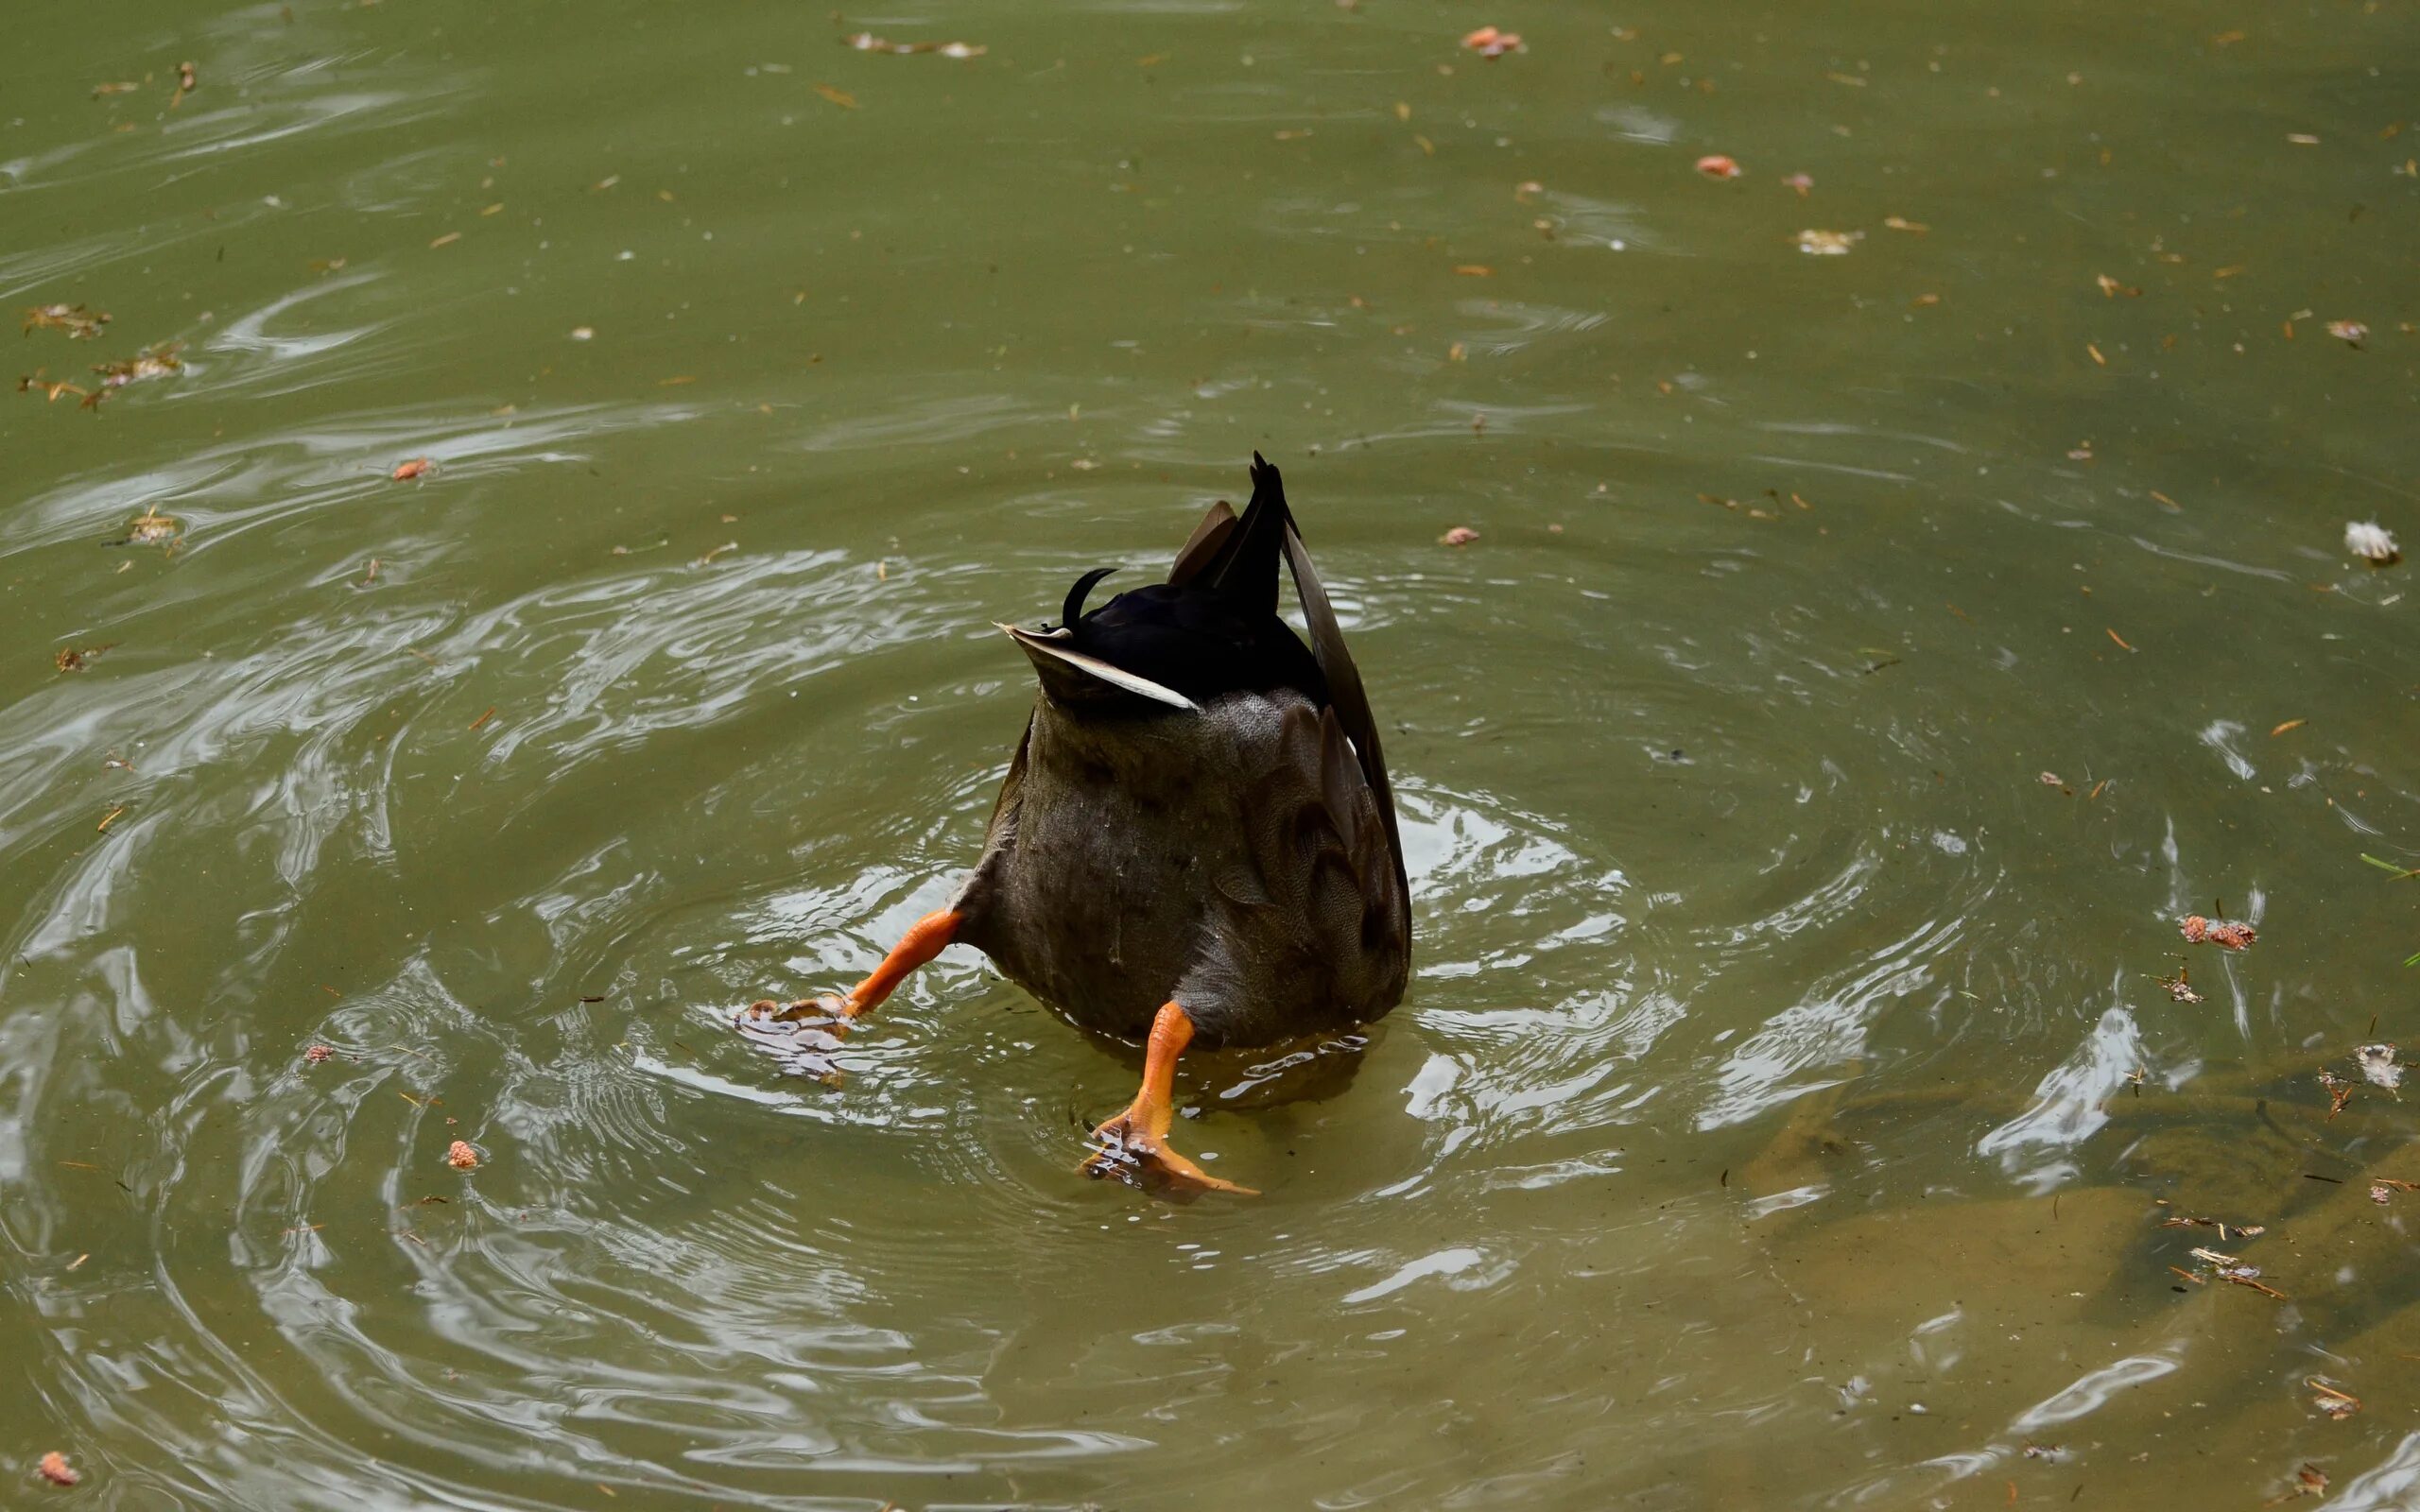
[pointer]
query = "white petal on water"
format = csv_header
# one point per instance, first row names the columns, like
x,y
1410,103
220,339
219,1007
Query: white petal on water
x,y
2367,537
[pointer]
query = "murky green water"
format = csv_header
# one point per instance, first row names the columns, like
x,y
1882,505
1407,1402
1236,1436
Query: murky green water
x,y
1758,1131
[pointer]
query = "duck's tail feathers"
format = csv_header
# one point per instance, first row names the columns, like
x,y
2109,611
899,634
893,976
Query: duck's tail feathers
x,y
1243,564
1073,610
1203,544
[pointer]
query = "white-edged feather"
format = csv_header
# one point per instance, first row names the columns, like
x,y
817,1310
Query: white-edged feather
x,y
1053,645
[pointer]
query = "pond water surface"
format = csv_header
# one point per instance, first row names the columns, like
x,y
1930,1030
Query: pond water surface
x,y
1865,660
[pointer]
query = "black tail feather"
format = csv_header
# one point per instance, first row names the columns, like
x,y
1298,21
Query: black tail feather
x,y
1245,569
1213,626
1073,610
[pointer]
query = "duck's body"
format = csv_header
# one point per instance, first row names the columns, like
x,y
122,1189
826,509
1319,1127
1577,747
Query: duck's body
x,y
1197,836
1115,879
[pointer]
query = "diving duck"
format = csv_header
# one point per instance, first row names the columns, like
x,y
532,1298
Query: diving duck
x,y
1196,844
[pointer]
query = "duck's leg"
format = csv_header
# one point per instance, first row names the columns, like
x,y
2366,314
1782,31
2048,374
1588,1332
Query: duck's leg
x,y
1134,1144
821,1021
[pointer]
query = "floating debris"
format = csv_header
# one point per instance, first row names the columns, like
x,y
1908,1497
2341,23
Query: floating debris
x,y
2352,333
1459,536
1828,243
1716,165
1800,183
2227,1230
2308,1481
55,1468
2373,543
320,1052
2049,779
2337,1404
2379,1066
157,362
1489,43
1903,223
185,85
2198,930
406,471
2339,1091
75,659
33,383
2230,1269
837,95
2178,986
152,529
866,42
462,1156
79,322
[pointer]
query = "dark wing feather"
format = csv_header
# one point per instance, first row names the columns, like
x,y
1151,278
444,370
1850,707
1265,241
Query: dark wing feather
x,y
1344,691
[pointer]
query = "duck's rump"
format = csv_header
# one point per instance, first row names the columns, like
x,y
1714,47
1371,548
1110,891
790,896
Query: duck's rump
x,y
1233,859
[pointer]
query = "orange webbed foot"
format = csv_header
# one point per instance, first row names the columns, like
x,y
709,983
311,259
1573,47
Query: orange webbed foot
x,y
1134,1146
1128,1151
803,1037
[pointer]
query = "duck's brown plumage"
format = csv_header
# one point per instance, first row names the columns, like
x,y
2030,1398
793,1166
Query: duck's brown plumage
x,y
1197,836
1241,855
